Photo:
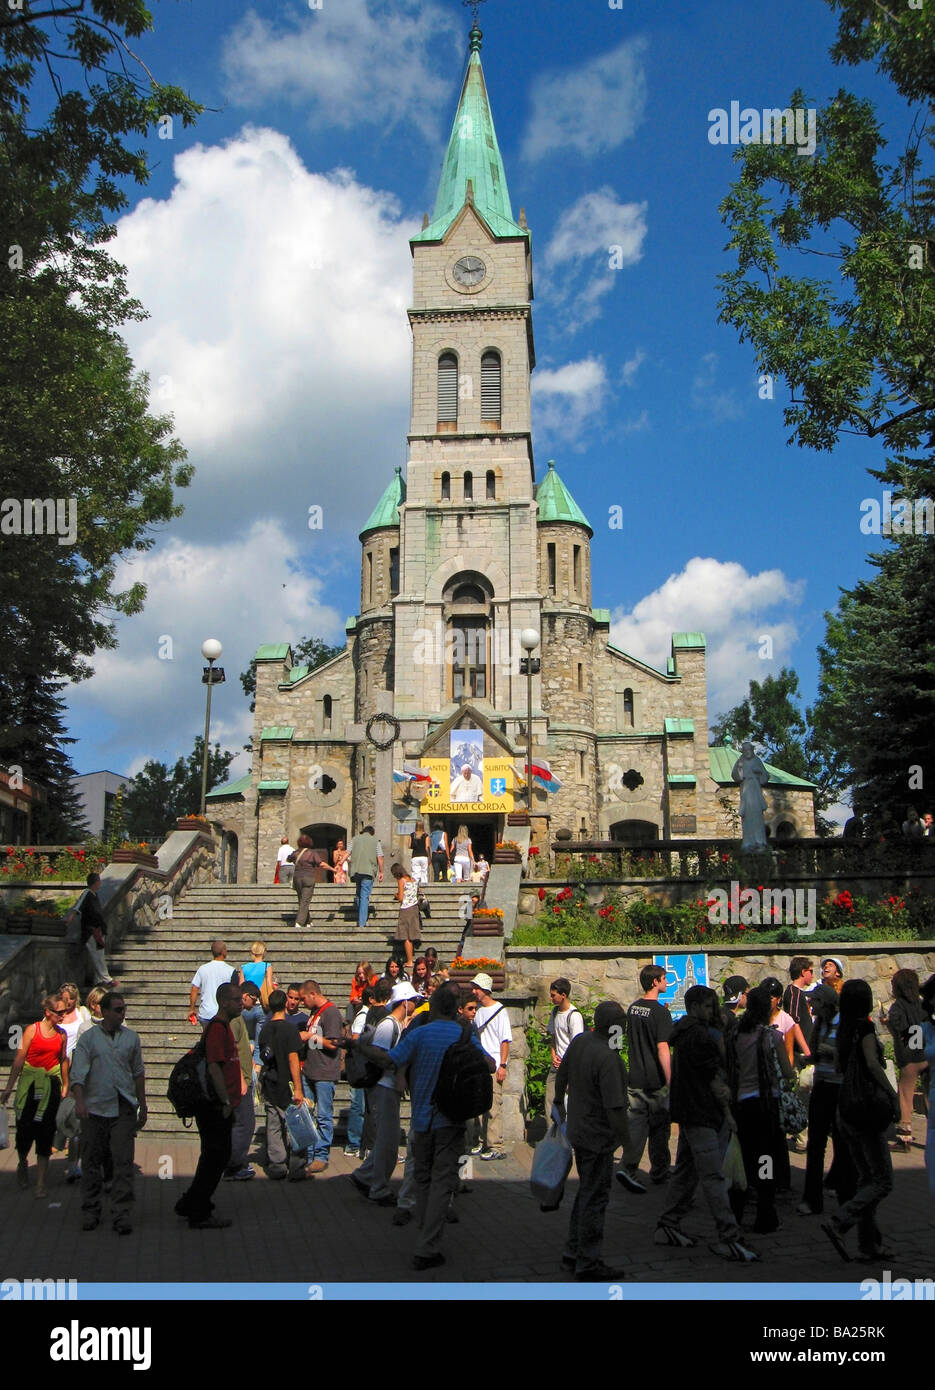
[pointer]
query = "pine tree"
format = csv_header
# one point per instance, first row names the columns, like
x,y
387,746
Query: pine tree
x,y
33,736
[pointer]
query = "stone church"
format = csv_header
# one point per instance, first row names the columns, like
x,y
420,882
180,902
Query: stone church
x,y
470,552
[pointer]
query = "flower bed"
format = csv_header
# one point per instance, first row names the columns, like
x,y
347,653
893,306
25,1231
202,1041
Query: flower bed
x,y
22,865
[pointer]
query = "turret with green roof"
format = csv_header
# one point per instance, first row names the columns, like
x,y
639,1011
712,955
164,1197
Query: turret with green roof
x,y
473,159
556,503
386,512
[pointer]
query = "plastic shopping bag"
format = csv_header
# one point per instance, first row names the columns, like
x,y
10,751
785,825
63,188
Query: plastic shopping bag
x,y
303,1131
732,1167
4,1129
551,1164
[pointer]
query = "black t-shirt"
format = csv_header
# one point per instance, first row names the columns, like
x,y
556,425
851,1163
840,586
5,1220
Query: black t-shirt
x,y
282,1039
796,1004
91,916
648,1024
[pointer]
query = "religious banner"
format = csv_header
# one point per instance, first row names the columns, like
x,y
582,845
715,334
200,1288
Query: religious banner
x,y
497,778
467,765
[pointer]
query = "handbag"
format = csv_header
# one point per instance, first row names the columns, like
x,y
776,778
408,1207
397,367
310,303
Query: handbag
x,y
793,1115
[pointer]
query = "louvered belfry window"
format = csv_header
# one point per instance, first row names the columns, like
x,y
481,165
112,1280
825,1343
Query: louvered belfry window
x,y
447,388
490,388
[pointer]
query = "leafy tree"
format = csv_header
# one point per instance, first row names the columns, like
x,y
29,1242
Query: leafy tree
x,y
33,737
311,652
158,794
876,691
770,716
855,350
74,420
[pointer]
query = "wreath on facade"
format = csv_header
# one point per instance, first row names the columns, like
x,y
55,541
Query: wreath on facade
x,y
384,742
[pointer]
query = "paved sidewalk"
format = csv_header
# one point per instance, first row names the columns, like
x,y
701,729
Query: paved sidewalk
x,y
321,1230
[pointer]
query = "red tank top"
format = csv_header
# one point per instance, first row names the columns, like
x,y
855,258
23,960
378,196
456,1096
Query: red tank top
x,y
46,1052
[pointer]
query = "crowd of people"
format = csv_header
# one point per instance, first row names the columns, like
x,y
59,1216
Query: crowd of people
x,y
732,1074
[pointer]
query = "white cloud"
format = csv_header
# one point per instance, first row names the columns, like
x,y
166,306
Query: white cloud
x,y
244,591
630,368
590,109
352,63
567,399
734,610
706,396
593,241
638,425
278,336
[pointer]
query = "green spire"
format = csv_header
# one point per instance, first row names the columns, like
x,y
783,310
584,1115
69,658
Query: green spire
x,y
473,159
556,502
386,512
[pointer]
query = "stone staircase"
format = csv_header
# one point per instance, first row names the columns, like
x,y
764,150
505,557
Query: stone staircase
x,y
155,967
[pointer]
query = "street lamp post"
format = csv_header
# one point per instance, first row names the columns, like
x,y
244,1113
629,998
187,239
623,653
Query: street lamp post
x,y
211,675
529,666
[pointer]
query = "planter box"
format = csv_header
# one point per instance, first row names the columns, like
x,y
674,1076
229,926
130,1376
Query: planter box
x,y
134,856
17,924
464,977
191,823
486,926
507,856
518,818
46,926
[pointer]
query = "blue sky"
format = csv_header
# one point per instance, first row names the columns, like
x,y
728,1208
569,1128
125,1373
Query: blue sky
x,y
271,250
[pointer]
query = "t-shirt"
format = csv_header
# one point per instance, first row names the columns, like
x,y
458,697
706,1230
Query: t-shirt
x,y
220,1047
282,1039
91,916
423,1049
497,1029
795,1003
207,978
321,1065
783,1023
748,1071
254,971
241,1037
410,893
595,1081
360,1021
284,852
387,1035
299,1019
648,1024
563,1027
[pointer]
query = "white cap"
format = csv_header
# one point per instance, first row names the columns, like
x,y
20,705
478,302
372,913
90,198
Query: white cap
x,y
484,982
402,992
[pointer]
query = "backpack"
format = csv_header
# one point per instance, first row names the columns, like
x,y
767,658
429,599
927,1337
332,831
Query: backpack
x,y
464,1087
358,1072
188,1083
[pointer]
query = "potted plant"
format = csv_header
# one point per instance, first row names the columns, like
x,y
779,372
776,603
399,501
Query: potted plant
x,y
194,823
129,853
462,970
487,921
507,852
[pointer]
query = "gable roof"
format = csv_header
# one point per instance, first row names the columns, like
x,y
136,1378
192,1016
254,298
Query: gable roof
x,y
482,723
722,761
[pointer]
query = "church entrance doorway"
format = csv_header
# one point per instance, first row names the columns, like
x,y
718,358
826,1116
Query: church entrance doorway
x,y
324,838
483,830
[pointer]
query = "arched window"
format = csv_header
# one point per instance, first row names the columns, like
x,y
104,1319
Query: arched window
x,y
469,486
326,713
447,390
491,485
467,597
446,487
490,388
628,707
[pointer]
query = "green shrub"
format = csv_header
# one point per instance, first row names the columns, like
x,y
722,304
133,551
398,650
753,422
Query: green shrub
x,y
539,1061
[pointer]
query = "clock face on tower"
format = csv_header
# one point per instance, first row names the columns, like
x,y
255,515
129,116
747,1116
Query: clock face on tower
x,y
469,271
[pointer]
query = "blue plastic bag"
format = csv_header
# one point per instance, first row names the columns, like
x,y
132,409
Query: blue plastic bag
x,y
303,1131
551,1164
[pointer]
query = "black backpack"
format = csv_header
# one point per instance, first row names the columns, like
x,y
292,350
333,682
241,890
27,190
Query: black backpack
x,y
357,1071
188,1083
464,1087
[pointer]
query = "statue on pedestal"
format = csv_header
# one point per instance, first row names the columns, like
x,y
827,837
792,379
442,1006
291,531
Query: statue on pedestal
x,y
751,775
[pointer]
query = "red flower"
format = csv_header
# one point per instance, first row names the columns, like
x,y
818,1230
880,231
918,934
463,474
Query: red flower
x,y
860,924
556,909
742,927
541,894
725,858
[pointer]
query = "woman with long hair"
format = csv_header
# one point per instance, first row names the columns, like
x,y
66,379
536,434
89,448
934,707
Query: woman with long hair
x,y
39,1075
394,972
462,855
420,975
419,848
904,1021
430,957
823,1109
760,1059
339,858
863,1128
927,996
438,843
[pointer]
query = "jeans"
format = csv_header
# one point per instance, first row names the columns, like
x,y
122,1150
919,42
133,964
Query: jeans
x,y
355,1117
103,1137
214,1132
242,1132
322,1093
871,1155
822,1123
363,887
440,867
647,1117
699,1158
585,1239
436,1155
377,1167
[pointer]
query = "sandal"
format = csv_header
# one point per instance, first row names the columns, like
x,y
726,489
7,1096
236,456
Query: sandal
x,y
837,1240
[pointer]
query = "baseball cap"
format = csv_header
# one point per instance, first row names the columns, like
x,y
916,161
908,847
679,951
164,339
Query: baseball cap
x,y
402,992
839,963
733,987
484,982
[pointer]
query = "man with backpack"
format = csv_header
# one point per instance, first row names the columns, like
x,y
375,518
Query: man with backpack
x,y
565,1023
449,1081
373,1176
278,1047
215,1116
492,1023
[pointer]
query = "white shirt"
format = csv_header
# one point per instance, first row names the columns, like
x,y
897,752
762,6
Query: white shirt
x,y
284,852
207,978
565,1026
360,1020
497,1031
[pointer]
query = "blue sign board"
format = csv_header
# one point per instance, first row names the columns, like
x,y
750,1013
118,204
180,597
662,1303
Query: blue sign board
x,y
682,971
